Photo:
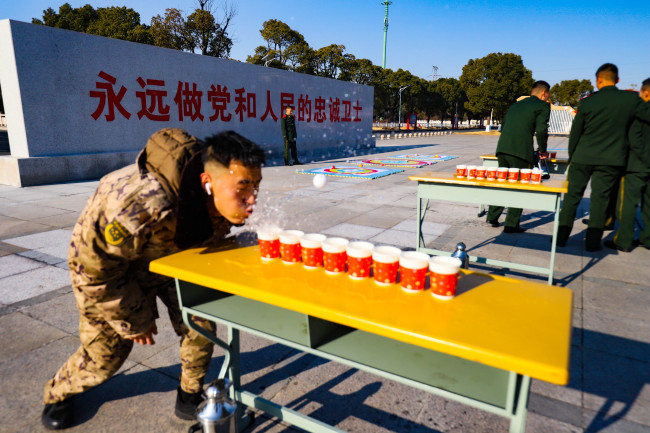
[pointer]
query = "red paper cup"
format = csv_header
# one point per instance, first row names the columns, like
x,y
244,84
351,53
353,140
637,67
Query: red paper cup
x,y
513,174
502,174
413,267
461,171
552,155
444,276
334,256
480,173
311,250
525,175
290,246
269,241
359,259
471,172
536,176
491,173
385,261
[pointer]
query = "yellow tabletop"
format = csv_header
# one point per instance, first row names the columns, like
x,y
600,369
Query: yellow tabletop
x,y
556,160
505,323
550,185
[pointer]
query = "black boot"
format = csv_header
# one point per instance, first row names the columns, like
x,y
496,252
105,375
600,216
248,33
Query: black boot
x,y
592,240
57,416
563,233
187,404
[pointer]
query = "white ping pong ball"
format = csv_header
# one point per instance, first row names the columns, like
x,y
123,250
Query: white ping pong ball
x,y
320,180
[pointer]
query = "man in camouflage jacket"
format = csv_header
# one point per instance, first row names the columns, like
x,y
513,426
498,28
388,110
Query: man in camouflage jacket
x,y
180,193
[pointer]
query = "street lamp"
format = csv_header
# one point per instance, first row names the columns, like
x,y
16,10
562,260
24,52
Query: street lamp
x,y
399,121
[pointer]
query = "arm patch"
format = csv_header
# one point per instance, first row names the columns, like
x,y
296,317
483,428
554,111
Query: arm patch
x,y
115,233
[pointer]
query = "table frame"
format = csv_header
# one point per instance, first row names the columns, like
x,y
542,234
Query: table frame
x,y
497,193
203,302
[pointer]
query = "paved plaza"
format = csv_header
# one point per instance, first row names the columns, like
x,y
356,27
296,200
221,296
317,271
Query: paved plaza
x,y
609,388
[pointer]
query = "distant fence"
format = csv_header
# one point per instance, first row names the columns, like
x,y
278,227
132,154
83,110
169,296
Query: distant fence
x,y
560,122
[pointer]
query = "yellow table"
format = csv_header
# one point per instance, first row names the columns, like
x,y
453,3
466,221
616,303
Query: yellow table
x,y
446,186
480,348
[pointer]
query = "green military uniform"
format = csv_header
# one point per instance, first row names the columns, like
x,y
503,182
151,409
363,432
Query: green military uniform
x,y
135,216
524,119
598,151
288,127
634,188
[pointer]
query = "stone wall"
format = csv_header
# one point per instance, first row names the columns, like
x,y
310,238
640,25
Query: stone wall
x,y
78,106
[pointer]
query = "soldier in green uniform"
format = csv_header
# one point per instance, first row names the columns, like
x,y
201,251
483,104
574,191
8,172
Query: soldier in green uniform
x,y
288,127
598,151
180,193
634,185
525,119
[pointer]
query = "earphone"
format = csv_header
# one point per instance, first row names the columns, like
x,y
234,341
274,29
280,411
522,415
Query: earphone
x,y
208,188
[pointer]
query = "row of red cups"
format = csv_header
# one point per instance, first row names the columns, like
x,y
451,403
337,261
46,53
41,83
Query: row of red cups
x,y
500,174
362,259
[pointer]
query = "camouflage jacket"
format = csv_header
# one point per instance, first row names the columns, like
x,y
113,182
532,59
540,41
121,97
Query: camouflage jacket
x,y
133,218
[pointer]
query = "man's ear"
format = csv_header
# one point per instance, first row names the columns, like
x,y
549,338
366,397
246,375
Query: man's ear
x,y
205,178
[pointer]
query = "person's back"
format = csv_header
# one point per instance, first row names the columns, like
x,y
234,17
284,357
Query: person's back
x,y
598,133
598,148
525,119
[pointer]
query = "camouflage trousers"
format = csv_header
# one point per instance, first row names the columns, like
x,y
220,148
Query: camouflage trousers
x,y
103,352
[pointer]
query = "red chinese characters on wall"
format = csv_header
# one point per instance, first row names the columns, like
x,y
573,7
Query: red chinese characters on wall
x,y
221,104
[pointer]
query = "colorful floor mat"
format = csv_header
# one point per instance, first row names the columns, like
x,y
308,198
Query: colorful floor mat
x,y
398,162
421,157
349,171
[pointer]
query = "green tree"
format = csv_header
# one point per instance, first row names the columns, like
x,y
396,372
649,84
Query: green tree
x,y
200,31
495,82
570,92
113,22
452,96
330,59
169,31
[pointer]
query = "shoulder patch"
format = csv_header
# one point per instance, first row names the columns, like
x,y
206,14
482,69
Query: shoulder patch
x,y
115,233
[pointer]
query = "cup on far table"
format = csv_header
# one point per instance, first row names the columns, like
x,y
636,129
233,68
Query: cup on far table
x,y
513,174
290,246
385,262
359,259
502,174
491,173
334,256
444,276
311,250
461,170
480,172
413,267
471,172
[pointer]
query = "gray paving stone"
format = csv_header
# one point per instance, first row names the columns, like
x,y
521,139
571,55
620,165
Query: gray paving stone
x,y
15,264
22,334
353,231
25,285
50,238
42,257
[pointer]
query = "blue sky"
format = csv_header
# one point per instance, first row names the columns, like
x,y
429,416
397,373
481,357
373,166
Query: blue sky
x,y
557,40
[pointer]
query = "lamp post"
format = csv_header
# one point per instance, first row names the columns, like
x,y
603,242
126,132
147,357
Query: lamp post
x,y
399,121
385,3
